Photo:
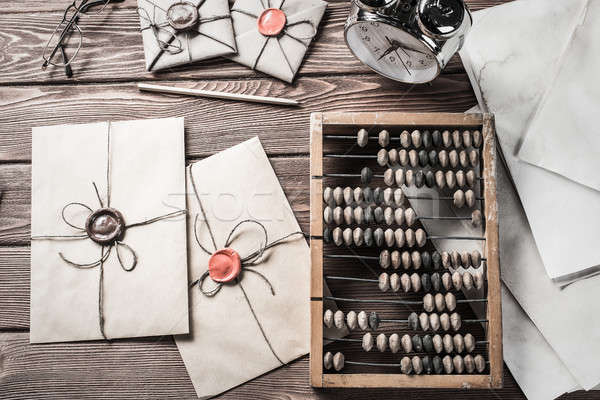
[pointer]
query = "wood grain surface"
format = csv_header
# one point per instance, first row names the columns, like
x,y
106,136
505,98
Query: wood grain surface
x,y
104,87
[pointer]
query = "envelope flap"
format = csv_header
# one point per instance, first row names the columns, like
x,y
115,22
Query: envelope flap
x,y
305,10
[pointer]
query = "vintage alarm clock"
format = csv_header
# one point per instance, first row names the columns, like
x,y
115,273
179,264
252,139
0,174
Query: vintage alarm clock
x,y
409,41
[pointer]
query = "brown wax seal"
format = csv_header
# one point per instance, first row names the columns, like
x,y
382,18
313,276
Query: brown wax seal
x,y
182,15
105,226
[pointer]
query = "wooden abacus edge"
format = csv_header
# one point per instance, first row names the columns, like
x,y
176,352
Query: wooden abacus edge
x,y
334,122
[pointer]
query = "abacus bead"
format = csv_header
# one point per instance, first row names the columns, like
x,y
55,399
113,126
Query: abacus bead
x,y
468,281
440,302
378,237
359,215
348,195
450,300
438,344
413,158
459,343
399,237
416,138
446,138
366,175
413,321
415,282
394,343
459,199
398,197
427,344
410,237
384,282
426,138
448,364
348,215
382,342
466,138
445,322
447,281
434,322
363,321
351,320
426,282
436,260
419,179
436,138
338,361
426,259
378,214
369,217
328,318
436,282
476,258
448,344
399,176
433,158
459,365
405,281
427,366
479,363
388,177
457,280
384,138
368,341
389,237
450,179
395,259
463,159
388,215
453,158
384,259
469,343
465,259
456,139
437,365
358,195
406,260
446,263
328,215
337,236
424,322
460,178
415,258
373,321
338,215
388,196
328,360
406,366
421,237
338,320
476,218
477,139
395,282
405,139
423,158
338,196
409,177
469,364
368,194
443,158
406,344
417,342
393,156
377,195
478,280
470,198
429,179
403,157
369,237
473,158
417,365
362,138
399,216
327,195
455,258
428,302
455,321
470,175
327,235
358,236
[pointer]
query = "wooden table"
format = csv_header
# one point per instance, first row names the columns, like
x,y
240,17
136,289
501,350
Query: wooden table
x,y
104,88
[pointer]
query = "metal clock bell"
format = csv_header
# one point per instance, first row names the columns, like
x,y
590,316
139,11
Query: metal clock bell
x,y
410,41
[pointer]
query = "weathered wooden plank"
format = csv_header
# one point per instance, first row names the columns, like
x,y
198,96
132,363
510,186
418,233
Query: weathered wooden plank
x,y
112,49
214,125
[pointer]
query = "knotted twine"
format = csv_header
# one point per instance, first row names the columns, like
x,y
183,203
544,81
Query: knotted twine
x,y
252,260
105,250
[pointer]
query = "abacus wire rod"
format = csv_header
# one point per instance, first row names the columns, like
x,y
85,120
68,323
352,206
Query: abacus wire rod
x,y
382,301
360,340
410,302
466,321
356,256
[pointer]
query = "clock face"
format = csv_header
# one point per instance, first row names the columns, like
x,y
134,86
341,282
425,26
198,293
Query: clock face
x,y
392,52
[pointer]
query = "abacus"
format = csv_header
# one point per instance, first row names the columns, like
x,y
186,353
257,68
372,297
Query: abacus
x,y
391,309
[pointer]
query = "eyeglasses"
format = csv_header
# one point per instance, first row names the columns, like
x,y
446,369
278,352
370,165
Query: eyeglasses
x,y
67,30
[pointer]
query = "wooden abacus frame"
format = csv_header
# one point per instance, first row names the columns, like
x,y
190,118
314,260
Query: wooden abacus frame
x,y
337,123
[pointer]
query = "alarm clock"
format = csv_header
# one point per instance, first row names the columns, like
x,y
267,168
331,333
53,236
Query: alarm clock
x,y
409,41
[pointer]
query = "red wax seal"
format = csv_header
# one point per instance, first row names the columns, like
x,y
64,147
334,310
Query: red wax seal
x,y
224,265
271,22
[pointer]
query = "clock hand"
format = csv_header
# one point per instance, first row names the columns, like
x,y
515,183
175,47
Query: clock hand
x,y
402,61
385,53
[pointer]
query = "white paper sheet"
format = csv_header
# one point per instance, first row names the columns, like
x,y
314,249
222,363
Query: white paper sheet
x,y
226,347
510,70
147,178
563,136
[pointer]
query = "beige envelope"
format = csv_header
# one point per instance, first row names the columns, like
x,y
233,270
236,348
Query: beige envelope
x,y
229,345
144,163
279,56
211,37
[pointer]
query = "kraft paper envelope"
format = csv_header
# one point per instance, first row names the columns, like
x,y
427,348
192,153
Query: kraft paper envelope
x,y
226,346
139,166
211,37
279,56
